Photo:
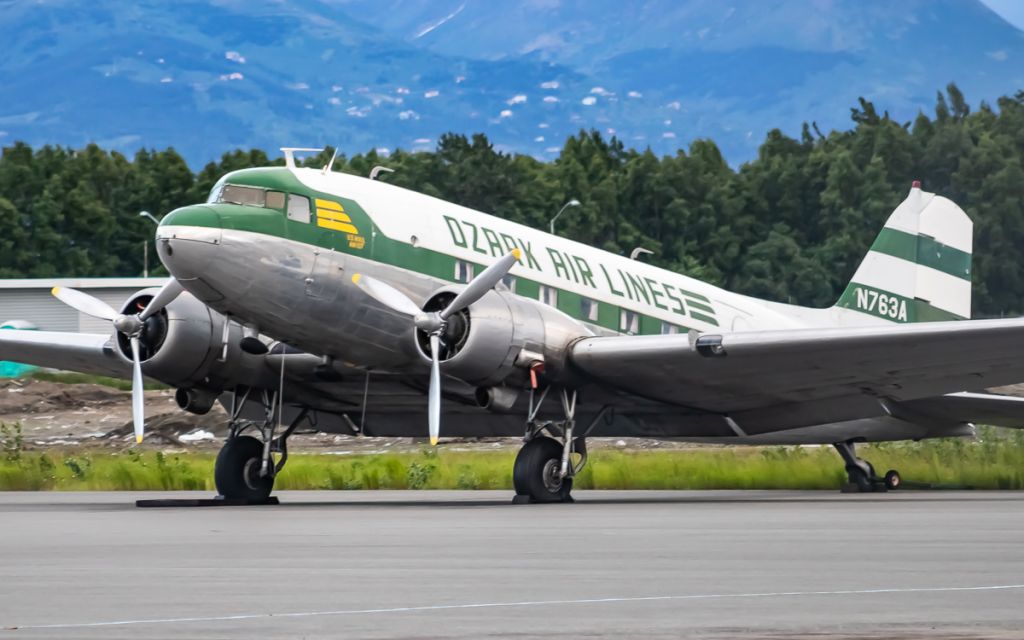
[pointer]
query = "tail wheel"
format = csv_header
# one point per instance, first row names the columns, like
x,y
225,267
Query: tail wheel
x,y
893,480
537,471
237,470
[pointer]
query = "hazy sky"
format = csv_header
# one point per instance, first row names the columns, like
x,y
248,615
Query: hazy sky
x,y
1011,10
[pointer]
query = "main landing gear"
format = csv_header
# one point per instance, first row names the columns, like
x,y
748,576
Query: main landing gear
x,y
552,455
246,465
861,475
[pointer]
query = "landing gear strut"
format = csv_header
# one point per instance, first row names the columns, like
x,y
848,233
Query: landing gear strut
x,y
861,474
546,465
246,466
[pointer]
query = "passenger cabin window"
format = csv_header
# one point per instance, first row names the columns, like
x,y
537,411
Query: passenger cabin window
x,y
668,327
510,282
275,200
549,295
298,208
629,322
588,309
463,271
237,194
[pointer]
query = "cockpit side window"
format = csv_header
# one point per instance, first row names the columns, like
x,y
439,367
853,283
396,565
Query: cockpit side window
x,y
275,200
237,194
298,208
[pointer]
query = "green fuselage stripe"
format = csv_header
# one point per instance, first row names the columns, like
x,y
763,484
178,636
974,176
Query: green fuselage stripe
x,y
891,306
924,251
380,248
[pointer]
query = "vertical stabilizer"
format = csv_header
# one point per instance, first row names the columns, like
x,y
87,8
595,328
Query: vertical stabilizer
x,y
919,267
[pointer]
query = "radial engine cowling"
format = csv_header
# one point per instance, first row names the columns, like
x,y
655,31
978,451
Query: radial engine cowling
x,y
497,339
182,346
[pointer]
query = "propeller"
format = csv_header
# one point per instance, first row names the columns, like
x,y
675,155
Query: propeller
x,y
433,323
130,325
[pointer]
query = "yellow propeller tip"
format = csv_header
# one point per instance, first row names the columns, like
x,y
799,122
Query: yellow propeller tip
x,y
138,439
55,290
433,442
355,278
517,254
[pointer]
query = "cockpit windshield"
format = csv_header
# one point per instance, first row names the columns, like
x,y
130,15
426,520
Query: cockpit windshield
x,y
248,196
237,194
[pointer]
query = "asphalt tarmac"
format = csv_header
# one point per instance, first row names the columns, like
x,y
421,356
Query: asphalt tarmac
x,y
471,565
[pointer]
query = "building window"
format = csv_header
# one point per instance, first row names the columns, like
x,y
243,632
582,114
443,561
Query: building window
x,y
668,327
549,295
510,282
629,322
463,271
298,208
588,309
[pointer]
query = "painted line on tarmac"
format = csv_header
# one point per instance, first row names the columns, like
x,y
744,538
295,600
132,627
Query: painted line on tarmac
x,y
524,603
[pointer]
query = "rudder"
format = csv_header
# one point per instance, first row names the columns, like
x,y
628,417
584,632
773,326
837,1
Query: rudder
x,y
919,267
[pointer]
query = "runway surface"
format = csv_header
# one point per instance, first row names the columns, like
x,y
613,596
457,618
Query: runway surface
x,y
470,565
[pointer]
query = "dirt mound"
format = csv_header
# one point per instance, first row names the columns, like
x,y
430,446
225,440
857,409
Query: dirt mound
x,y
170,427
39,396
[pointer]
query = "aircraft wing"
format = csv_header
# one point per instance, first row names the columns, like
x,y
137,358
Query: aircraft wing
x,y
86,352
984,408
773,380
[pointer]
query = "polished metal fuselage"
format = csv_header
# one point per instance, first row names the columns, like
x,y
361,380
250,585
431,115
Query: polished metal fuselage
x,y
304,296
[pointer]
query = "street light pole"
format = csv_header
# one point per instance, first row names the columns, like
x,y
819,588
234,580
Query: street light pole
x,y
145,244
572,203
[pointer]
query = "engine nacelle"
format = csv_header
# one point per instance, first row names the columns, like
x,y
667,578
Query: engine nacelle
x,y
182,346
195,400
500,337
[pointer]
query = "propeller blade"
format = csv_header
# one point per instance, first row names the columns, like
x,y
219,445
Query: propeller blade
x,y
386,295
481,284
84,302
434,395
163,297
138,419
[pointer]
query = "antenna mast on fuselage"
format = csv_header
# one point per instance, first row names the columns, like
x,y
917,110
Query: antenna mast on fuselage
x,y
289,154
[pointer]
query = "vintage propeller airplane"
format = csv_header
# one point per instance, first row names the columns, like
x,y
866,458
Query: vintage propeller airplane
x,y
309,297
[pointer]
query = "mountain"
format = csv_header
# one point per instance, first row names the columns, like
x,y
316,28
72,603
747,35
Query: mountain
x,y
361,74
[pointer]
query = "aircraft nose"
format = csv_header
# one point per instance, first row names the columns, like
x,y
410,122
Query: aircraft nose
x,y
187,240
190,221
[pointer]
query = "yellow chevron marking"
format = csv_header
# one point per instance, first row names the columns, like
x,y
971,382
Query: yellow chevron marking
x,y
344,227
330,214
329,204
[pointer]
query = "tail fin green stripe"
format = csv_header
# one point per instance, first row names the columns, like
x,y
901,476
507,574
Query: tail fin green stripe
x,y
891,306
924,251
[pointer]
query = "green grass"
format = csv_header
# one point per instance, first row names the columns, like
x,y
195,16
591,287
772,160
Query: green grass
x,y
993,463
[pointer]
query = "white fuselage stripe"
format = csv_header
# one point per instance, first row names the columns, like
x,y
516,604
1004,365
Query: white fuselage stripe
x,y
523,603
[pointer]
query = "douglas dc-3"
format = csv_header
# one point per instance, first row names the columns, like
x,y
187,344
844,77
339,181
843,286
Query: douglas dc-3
x,y
309,298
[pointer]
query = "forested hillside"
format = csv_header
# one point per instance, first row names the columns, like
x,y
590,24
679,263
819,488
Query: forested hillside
x,y
790,225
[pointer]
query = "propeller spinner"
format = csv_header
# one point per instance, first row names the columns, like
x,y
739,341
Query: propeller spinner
x,y
433,322
130,325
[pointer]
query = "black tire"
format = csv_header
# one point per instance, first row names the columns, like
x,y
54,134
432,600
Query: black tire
x,y
893,480
236,472
860,479
534,472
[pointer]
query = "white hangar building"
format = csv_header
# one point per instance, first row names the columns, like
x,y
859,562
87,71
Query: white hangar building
x,y
30,301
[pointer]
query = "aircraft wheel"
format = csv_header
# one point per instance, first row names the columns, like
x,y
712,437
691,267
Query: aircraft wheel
x,y
893,480
536,472
860,478
237,470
